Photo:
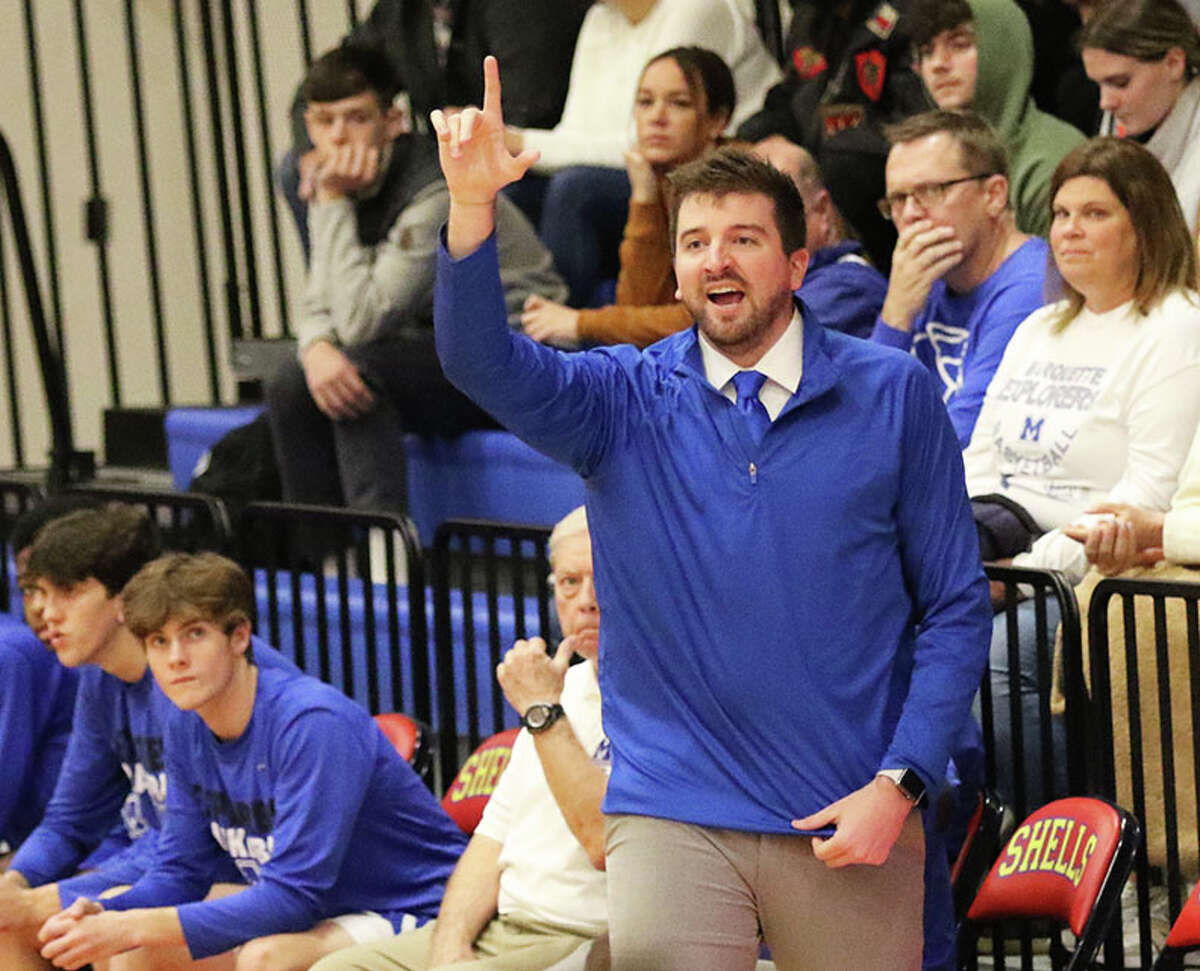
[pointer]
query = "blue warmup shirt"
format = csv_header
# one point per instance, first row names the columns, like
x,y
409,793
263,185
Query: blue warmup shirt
x,y
313,806
961,337
114,770
843,289
37,697
780,620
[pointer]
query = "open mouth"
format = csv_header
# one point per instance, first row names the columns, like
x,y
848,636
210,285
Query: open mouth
x,y
725,296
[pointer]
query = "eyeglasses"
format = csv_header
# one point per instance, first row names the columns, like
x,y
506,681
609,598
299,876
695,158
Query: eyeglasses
x,y
925,195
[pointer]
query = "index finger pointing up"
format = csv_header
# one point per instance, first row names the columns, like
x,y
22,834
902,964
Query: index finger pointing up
x,y
491,86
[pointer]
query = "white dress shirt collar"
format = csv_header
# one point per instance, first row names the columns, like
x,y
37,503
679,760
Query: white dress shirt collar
x,y
783,365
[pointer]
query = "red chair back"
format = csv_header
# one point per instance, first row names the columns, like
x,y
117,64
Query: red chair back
x,y
402,731
471,789
1185,932
1068,862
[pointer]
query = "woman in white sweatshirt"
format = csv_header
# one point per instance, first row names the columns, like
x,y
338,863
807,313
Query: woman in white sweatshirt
x,y
1097,396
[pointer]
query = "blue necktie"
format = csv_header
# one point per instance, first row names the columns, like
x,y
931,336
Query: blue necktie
x,y
748,384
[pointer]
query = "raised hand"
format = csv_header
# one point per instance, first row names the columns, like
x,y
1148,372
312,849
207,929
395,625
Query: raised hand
x,y
471,147
529,676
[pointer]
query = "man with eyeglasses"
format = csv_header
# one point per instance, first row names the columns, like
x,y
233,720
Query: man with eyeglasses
x,y
963,276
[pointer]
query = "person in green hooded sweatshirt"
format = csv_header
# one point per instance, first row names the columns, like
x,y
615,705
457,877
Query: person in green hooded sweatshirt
x,y
978,54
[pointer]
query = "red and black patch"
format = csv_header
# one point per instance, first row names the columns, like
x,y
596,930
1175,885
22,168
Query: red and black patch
x,y
808,62
840,118
870,66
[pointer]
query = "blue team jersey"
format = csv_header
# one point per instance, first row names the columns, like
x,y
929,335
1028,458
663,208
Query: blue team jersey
x,y
114,771
37,698
315,809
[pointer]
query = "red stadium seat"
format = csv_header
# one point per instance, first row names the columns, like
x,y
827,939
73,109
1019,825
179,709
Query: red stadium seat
x,y
409,737
1184,936
471,789
1067,862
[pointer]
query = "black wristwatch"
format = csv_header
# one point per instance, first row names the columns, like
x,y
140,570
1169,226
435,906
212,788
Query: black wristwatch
x,y
539,717
909,783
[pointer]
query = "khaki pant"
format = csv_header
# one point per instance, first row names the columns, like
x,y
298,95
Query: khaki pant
x,y
505,944
690,898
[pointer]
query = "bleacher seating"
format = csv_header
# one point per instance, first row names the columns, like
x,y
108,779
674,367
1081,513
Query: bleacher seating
x,y
191,432
479,475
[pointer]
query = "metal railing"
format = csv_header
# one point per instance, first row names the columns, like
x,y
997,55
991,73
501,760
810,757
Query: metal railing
x,y
490,585
1144,659
163,122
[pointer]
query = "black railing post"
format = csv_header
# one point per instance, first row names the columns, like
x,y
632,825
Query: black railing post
x,y
201,237
249,248
39,132
233,300
66,464
97,205
143,153
264,129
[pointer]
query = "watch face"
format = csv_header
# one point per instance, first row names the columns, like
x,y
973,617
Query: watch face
x,y
537,716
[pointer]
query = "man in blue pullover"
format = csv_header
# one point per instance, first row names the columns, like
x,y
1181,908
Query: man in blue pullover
x,y
334,837
785,551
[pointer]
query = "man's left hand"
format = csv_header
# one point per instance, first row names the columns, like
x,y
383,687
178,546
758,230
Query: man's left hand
x,y
868,823
83,933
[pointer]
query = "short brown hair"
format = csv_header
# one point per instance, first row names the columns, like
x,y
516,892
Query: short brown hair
x,y
195,586
1144,29
1165,251
732,170
982,150
928,18
109,543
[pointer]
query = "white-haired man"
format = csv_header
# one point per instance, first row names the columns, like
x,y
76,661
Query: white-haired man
x,y
531,879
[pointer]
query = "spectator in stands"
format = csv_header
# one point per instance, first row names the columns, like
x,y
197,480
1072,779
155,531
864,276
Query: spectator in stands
x,y
811,651
367,372
113,771
529,890
1145,56
37,696
433,48
848,74
841,286
963,276
1097,395
335,837
685,98
978,54
579,194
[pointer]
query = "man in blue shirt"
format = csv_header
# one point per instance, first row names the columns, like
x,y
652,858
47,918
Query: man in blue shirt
x,y
963,276
112,770
334,836
37,694
795,614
